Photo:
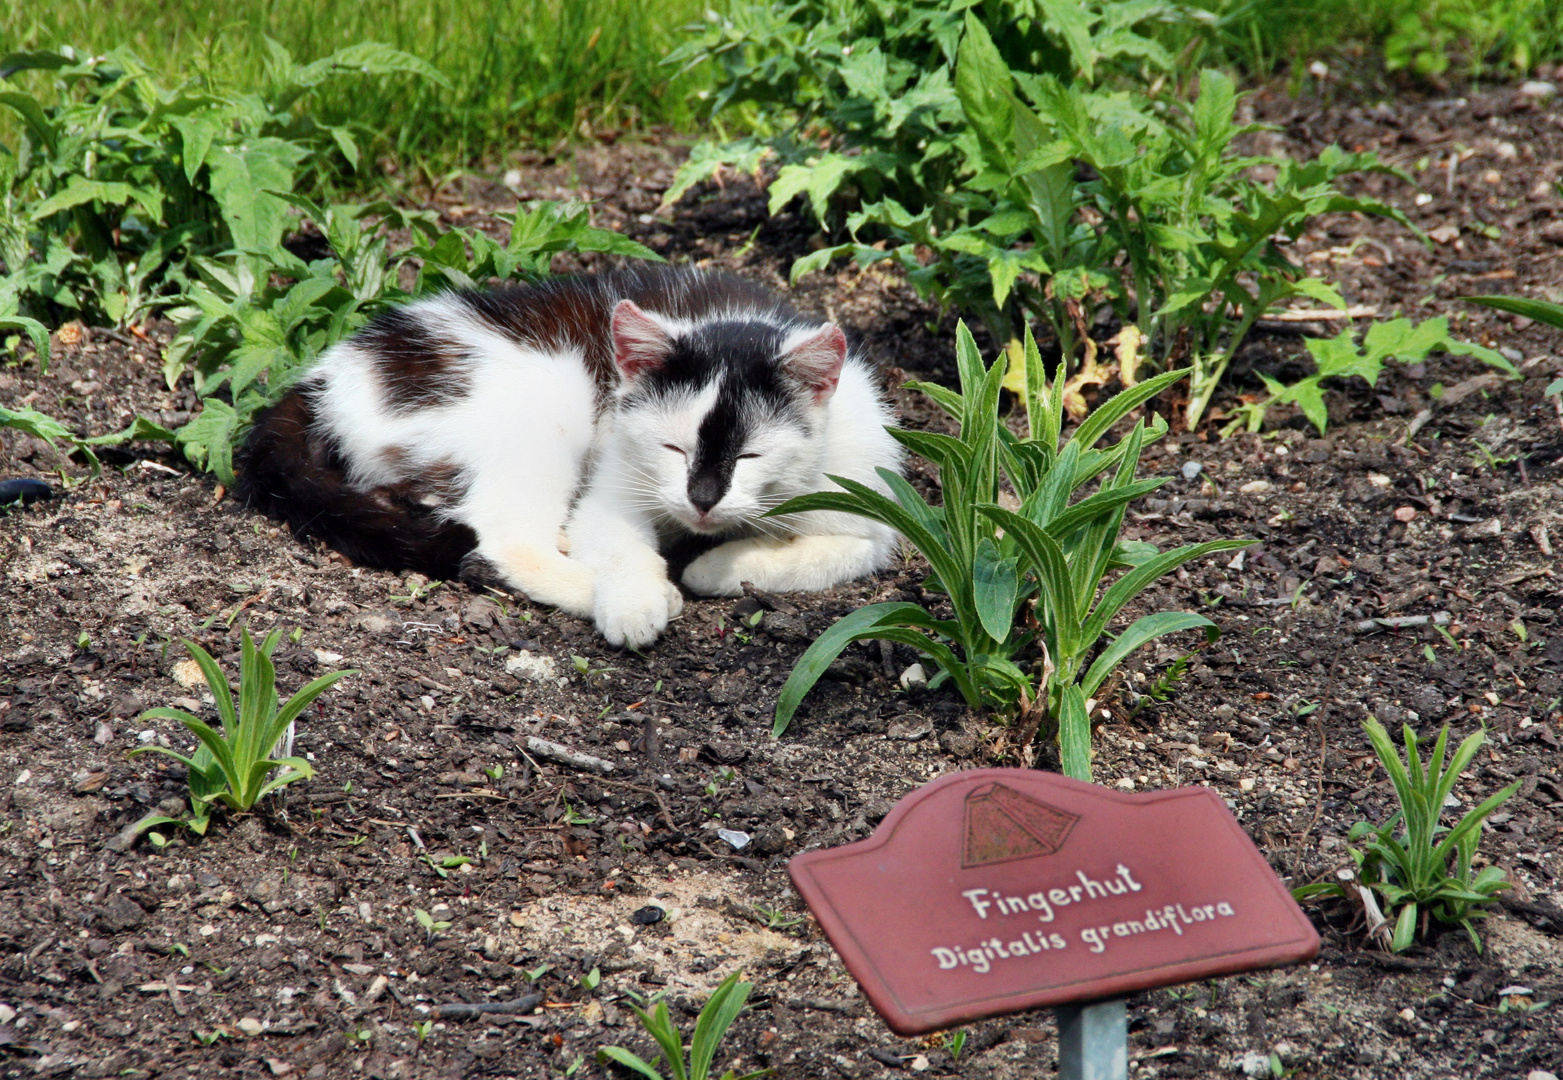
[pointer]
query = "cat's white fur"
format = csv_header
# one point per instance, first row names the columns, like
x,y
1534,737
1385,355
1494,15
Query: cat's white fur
x,y
528,436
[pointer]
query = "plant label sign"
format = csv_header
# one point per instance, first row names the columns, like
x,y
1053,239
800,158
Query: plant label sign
x,y
997,890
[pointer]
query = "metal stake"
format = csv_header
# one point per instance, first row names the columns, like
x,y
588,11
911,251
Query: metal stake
x,y
1093,1041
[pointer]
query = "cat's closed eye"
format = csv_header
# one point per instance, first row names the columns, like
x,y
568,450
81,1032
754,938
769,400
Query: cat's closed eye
x,y
742,456
675,449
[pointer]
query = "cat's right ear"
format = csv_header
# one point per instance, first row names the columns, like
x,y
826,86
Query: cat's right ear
x,y
640,343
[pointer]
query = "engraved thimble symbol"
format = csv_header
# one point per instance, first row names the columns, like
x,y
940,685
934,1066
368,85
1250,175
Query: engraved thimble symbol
x,y
1003,825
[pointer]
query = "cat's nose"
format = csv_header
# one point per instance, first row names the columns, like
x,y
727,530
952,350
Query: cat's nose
x,y
704,493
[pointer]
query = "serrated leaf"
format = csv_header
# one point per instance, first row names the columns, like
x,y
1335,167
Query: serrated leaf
x,y
243,176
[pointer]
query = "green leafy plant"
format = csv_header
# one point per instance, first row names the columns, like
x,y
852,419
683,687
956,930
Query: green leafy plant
x,y
431,925
1341,357
233,766
1543,311
877,80
1032,190
1418,865
716,1016
116,180
1018,581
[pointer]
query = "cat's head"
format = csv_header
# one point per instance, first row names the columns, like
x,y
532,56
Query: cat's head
x,y
724,418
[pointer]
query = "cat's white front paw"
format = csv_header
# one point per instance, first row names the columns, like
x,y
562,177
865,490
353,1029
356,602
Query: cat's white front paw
x,y
720,571
633,612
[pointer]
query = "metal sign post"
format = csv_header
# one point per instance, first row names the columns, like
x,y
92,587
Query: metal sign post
x,y
1093,1041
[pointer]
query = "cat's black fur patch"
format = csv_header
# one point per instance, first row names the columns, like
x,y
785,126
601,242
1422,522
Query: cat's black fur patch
x,y
417,366
292,472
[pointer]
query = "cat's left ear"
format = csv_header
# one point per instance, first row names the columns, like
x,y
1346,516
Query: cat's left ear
x,y
813,360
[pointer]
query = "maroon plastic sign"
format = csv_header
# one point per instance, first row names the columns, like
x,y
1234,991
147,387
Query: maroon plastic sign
x,y
997,890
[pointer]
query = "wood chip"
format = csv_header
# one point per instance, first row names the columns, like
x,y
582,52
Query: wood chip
x,y
563,755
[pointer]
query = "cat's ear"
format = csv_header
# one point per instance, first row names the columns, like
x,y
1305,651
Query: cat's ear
x,y
640,343
813,359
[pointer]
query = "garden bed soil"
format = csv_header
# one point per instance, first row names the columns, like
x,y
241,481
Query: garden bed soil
x,y
286,943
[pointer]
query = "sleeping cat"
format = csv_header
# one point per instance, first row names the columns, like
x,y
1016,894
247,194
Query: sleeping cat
x,y
558,438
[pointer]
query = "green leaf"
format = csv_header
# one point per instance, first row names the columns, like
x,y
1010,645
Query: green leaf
x,y
1074,734
863,622
79,190
207,440
1143,630
995,588
368,58
718,1014
1540,310
820,180
197,133
1405,929
984,89
1069,19
244,177
620,1056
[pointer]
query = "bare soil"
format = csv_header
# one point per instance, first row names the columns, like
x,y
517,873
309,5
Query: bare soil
x,y
286,943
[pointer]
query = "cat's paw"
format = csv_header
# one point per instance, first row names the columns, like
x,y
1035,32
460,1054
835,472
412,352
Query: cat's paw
x,y
718,572
632,613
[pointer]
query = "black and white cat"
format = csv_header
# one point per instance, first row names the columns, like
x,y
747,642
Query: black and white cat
x,y
557,438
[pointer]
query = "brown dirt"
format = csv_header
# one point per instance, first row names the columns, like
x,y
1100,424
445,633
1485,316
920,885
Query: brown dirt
x,y
286,943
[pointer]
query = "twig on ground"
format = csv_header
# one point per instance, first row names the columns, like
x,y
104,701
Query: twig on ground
x,y
560,754
462,1010
1400,622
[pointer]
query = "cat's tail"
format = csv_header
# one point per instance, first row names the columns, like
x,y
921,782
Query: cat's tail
x,y
291,471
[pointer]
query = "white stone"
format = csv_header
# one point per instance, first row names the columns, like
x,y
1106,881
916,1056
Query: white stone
x,y
327,657
913,677
187,673
1124,783
1254,1063
1536,88
250,1026
1255,487
537,668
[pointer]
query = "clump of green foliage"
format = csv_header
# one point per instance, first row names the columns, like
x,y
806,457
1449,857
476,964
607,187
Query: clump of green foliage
x,y
1429,39
233,766
1024,181
1416,864
1341,357
124,197
116,180
716,1016
1024,585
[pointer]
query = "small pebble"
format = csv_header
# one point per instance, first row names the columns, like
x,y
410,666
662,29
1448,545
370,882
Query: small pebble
x,y
739,840
1191,469
1536,88
1125,783
250,1026
1408,1015
1245,784
24,490
1255,487
647,915
913,677
1405,513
